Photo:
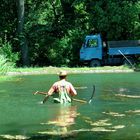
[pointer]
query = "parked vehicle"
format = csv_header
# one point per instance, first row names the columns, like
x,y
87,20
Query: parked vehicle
x,y
95,52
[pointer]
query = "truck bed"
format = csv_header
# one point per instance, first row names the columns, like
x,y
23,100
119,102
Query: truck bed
x,y
127,47
123,43
124,50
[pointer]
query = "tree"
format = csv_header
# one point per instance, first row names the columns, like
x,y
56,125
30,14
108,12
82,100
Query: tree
x,y
55,29
21,35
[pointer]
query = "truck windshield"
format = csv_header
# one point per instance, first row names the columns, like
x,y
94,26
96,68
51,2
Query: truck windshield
x,y
92,43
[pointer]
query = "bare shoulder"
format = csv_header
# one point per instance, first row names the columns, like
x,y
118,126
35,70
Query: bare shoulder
x,y
56,83
69,83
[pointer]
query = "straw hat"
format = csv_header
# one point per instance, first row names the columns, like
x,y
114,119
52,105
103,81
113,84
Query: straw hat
x,y
62,73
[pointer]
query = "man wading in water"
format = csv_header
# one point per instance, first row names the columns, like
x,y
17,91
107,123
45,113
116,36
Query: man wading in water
x,y
61,90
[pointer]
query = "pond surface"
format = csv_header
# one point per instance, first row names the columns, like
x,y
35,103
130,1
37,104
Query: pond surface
x,y
114,112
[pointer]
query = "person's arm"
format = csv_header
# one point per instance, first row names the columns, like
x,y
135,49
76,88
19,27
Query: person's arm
x,y
72,90
49,93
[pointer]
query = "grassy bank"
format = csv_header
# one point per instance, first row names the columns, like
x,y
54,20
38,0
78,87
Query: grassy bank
x,y
54,70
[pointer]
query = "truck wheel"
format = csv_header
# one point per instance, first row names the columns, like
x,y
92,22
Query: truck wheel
x,y
95,63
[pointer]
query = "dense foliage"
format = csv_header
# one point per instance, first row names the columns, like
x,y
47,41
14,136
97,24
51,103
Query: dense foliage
x,y
8,58
54,29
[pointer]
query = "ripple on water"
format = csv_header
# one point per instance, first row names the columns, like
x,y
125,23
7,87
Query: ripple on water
x,y
136,112
128,96
14,137
116,114
99,123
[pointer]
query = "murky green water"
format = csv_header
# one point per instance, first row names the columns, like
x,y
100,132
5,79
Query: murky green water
x,y
110,115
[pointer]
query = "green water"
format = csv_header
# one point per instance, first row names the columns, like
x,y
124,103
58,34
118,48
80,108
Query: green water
x,y
107,117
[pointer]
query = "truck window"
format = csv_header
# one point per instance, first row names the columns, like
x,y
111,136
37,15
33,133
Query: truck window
x,y
92,43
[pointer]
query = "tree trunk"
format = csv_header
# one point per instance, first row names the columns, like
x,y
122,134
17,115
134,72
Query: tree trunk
x,y
20,30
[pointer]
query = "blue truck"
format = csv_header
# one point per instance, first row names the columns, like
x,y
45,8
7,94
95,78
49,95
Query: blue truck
x,y
95,52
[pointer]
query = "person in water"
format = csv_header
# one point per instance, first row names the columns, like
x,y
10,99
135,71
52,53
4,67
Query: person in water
x,y
61,90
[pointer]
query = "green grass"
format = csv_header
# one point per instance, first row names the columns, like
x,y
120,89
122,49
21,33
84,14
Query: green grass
x,y
55,70
51,70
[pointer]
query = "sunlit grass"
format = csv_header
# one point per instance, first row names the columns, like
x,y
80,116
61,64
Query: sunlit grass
x,y
53,70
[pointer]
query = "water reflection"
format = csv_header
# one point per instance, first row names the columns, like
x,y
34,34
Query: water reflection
x,y
113,112
64,118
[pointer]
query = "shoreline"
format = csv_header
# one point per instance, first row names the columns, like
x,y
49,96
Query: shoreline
x,y
55,70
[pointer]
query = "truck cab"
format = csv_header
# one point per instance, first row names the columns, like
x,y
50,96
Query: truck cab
x,y
91,52
95,53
